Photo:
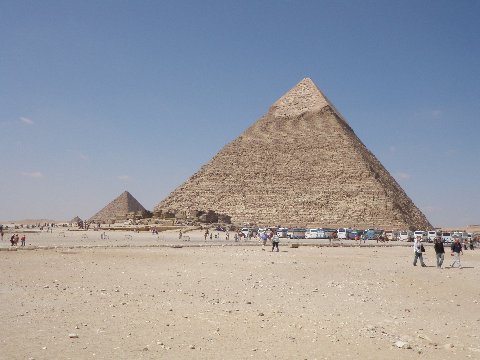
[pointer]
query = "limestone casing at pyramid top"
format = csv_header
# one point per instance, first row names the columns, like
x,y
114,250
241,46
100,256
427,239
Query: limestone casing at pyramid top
x,y
303,97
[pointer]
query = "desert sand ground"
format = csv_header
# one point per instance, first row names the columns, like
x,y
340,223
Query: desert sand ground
x,y
232,302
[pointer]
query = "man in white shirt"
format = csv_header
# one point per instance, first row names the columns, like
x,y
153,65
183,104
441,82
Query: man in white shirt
x,y
417,248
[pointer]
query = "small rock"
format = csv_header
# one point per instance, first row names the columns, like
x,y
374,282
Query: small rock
x,y
402,345
192,347
261,314
448,346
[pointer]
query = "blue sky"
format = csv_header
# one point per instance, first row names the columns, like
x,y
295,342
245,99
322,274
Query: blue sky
x,y
98,97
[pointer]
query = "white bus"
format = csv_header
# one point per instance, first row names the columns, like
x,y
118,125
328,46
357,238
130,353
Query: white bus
x,y
343,233
314,234
462,235
447,237
420,234
433,234
405,235
296,233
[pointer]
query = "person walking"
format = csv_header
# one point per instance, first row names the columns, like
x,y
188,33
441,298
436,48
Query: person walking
x,y
439,252
264,238
275,241
417,248
456,251
23,240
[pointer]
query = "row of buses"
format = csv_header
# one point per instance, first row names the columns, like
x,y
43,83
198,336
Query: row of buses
x,y
355,234
315,233
430,236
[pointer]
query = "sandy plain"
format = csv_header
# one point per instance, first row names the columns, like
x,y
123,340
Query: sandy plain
x,y
139,296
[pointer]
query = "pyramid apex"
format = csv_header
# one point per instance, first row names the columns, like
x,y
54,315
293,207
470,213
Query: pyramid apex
x,y
305,96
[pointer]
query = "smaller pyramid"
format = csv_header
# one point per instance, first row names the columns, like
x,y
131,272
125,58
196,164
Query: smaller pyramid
x,y
75,220
118,209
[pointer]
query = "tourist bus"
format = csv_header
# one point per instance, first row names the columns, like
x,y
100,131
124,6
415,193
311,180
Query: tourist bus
x,y
432,234
248,231
330,233
447,237
423,235
316,233
462,235
391,235
355,234
372,234
296,233
405,235
342,233
282,232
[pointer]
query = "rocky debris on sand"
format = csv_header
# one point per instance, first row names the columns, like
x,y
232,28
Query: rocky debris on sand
x,y
402,345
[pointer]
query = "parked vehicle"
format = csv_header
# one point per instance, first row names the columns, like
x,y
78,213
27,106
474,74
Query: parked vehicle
x,y
462,235
405,235
342,233
388,235
330,233
247,231
391,235
372,234
312,234
431,235
282,232
447,237
296,233
423,235
354,234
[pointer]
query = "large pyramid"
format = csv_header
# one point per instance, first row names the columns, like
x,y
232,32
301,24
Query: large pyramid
x,y
118,208
299,165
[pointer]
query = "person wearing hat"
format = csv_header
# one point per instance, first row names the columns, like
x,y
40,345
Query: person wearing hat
x,y
417,248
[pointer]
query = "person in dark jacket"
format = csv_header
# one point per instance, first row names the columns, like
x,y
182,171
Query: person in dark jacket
x,y
456,251
439,251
